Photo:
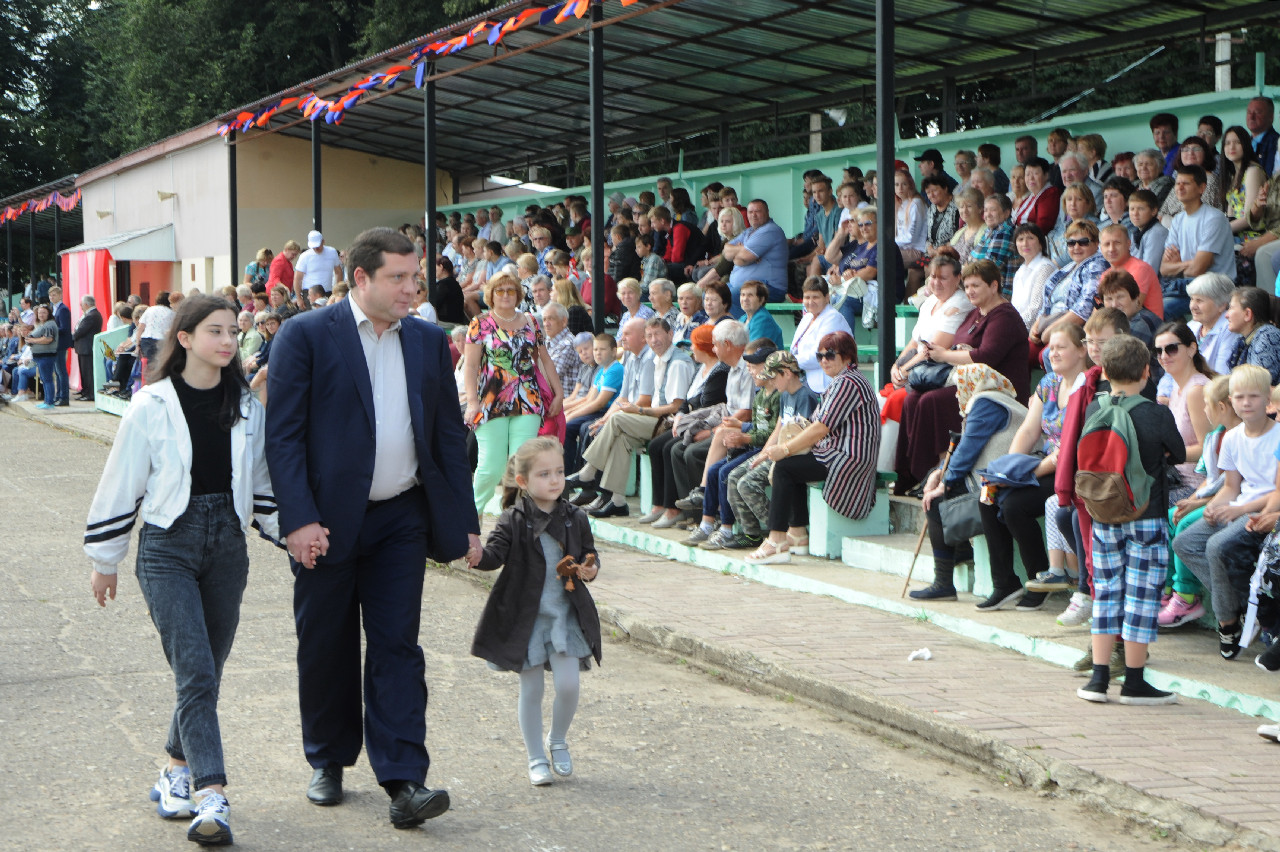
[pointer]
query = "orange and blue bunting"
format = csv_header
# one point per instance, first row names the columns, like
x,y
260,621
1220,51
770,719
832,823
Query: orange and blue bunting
x,y
314,107
65,203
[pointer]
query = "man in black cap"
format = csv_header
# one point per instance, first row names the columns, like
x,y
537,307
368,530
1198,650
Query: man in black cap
x,y
931,164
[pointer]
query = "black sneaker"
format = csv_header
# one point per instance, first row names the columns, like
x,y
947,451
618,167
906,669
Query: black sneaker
x,y
743,541
1146,695
1229,641
1001,598
1095,690
1032,601
1269,659
935,592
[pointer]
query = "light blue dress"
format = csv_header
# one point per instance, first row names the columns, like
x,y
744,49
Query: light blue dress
x,y
556,630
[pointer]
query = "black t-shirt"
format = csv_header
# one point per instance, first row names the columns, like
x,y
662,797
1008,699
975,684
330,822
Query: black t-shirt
x,y
446,298
210,443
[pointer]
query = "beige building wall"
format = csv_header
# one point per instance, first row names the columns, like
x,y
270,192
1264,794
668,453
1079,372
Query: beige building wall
x,y
359,191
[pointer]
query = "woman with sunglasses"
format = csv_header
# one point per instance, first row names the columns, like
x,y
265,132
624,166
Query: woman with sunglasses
x,y
853,254
838,448
992,333
1069,293
1180,358
1077,206
1248,315
504,351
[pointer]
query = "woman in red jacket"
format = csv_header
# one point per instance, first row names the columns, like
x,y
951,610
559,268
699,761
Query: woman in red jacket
x,y
1041,205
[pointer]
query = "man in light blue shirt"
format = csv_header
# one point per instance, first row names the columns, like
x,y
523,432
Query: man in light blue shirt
x,y
1200,241
759,253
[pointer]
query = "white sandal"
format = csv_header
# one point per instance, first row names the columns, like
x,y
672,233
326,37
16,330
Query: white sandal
x,y
769,553
798,546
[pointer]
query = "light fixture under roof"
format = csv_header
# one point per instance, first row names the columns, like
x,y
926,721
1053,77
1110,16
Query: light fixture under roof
x,y
539,187
503,181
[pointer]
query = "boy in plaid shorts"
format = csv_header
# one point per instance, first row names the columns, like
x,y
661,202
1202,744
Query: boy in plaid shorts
x,y
1130,560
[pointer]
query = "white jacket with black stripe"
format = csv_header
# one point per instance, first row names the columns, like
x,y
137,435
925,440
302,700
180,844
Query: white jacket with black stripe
x,y
149,473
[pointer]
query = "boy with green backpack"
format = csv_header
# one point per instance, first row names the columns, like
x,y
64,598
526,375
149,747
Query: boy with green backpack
x,y
1124,446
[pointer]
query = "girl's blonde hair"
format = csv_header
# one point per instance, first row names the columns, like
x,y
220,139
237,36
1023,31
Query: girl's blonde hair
x,y
520,463
1218,391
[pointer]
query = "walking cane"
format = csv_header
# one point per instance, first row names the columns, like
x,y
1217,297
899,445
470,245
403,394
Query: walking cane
x,y
924,529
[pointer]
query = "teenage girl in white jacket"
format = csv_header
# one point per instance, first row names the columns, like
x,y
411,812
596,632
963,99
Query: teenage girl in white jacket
x,y
188,458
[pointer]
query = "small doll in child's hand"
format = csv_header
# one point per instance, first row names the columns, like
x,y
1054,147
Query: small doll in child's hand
x,y
571,570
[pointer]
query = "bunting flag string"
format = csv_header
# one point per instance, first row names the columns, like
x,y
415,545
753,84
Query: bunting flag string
x,y
333,111
65,203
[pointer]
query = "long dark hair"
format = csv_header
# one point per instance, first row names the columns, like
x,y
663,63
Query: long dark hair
x,y
1248,155
1187,337
173,356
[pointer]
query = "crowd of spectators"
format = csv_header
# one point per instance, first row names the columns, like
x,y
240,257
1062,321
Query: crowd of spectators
x,y
1021,280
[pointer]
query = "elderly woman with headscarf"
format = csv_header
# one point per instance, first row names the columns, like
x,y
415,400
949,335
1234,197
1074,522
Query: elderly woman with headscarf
x,y
991,417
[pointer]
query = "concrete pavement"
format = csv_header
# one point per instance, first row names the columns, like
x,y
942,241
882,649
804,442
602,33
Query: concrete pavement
x,y
1196,769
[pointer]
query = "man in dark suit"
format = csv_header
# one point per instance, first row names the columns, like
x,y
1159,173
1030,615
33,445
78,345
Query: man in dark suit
x,y
1258,117
62,316
82,338
368,462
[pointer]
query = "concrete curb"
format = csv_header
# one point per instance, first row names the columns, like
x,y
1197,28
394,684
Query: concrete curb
x,y
17,410
971,748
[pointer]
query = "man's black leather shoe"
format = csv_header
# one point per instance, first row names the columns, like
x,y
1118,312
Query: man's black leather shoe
x,y
611,510
326,786
414,804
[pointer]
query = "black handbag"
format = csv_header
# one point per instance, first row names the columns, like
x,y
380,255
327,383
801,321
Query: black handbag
x,y
928,376
961,521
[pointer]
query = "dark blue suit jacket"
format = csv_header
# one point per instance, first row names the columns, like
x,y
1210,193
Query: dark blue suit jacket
x,y
62,316
1266,149
320,430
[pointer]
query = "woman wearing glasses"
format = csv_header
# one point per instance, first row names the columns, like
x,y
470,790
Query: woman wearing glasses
x,y
838,448
1069,292
991,334
1188,373
504,350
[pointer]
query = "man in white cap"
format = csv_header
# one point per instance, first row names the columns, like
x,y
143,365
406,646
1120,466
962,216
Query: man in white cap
x,y
319,264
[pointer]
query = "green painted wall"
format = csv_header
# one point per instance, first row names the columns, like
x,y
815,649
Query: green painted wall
x,y
778,181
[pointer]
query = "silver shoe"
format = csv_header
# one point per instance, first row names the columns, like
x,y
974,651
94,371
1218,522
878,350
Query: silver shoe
x,y
697,537
717,540
652,516
664,522
561,762
540,772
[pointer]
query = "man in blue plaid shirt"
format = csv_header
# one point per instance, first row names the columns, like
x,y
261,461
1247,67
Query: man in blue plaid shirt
x,y
996,243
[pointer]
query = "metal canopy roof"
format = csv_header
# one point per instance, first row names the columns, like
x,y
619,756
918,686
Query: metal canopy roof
x,y
674,67
70,223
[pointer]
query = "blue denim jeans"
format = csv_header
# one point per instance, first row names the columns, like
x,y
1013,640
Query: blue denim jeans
x,y
192,576
60,375
44,365
1176,302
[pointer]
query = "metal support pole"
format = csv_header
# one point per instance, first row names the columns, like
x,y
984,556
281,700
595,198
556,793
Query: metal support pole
x,y
886,144
57,244
949,105
429,170
8,260
724,142
596,45
315,175
233,209
31,233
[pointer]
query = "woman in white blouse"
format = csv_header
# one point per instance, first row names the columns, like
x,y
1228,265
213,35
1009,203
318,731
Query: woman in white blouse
x,y
912,225
819,320
1028,281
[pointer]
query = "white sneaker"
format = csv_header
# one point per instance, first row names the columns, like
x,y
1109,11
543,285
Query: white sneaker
x,y
1078,611
172,793
212,823
1269,732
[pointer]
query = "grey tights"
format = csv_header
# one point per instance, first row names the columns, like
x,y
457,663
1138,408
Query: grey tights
x,y
564,674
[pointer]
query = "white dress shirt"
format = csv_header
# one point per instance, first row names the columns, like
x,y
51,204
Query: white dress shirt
x,y
805,344
395,459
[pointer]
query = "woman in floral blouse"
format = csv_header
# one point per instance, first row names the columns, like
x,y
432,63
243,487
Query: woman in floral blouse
x,y
505,405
